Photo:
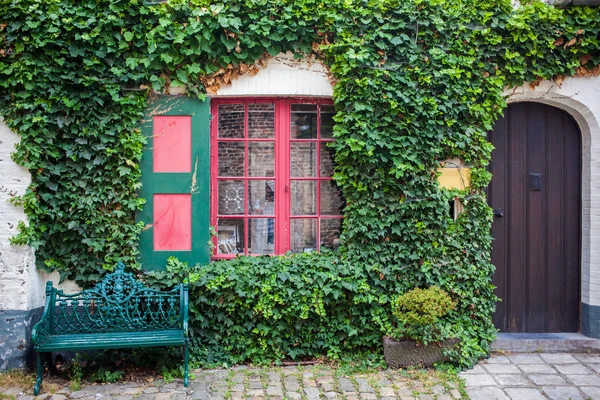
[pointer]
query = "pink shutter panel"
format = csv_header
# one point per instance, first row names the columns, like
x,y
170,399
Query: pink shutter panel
x,y
172,144
173,222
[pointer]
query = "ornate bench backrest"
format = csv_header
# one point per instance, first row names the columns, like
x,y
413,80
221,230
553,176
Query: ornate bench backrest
x,y
119,303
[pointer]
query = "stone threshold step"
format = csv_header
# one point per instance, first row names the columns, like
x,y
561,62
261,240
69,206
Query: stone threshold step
x,y
545,342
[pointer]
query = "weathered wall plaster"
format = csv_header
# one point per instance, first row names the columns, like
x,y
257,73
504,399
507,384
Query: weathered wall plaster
x,y
17,263
22,286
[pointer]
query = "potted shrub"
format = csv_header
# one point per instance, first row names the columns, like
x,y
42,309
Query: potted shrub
x,y
421,334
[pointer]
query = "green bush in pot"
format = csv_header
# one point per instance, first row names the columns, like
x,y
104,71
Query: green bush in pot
x,y
418,313
421,333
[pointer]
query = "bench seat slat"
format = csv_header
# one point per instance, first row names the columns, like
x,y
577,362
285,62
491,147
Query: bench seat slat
x,y
114,340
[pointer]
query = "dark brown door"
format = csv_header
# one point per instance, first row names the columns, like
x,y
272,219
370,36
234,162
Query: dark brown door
x,y
536,195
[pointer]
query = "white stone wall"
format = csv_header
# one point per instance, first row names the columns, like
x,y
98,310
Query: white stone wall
x,y
580,97
16,262
283,76
21,285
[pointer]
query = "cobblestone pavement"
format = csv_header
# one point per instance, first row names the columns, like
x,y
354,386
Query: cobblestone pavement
x,y
293,383
535,376
502,377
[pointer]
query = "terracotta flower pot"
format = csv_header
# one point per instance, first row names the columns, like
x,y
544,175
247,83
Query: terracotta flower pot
x,y
407,353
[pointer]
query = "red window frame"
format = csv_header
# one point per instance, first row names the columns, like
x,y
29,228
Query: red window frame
x,y
283,180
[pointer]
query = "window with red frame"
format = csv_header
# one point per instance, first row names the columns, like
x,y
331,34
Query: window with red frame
x,y
272,164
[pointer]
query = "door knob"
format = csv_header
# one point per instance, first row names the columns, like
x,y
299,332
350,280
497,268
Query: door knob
x,y
498,213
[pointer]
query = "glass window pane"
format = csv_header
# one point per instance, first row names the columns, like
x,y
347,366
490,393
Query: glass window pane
x,y
327,163
304,121
230,236
303,160
231,120
231,197
231,159
332,202
303,234
309,108
261,159
330,232
261,120
261,197
304,197
327,113
261,235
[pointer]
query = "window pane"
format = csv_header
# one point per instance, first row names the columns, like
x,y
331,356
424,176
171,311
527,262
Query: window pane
x,y
327,162
230,236
332,202
304,121
231,121
304,197
231,159
327,113
261,235
261,120
261,159
304,235
330,232
231,197
303,159
261,197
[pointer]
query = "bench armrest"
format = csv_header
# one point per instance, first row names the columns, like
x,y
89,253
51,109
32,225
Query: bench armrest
x,y
41,330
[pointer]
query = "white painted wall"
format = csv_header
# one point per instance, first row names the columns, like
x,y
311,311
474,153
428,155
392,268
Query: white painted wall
x,y
22,287
283,76
580,97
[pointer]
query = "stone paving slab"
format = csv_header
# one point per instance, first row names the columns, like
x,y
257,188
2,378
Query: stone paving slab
x,y
556,376
287,383
501,377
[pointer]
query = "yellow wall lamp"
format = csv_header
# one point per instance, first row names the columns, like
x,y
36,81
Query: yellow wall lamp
x,y
453,174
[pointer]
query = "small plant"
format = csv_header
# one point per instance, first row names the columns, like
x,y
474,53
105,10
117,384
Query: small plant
x,y
418,313
104,375
76,373
169,374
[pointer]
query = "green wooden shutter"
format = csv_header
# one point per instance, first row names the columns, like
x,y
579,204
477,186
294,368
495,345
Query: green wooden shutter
x,y
175,182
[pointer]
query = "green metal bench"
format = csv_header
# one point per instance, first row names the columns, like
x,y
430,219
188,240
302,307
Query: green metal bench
x,y
119,312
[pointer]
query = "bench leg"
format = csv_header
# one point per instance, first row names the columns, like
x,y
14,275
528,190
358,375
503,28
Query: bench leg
x,y
40,370
185,364
51,365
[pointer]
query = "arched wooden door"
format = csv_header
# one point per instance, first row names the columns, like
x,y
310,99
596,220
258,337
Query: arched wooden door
x,y
536,196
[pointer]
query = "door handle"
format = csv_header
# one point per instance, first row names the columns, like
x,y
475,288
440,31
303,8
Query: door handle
x,y
498,213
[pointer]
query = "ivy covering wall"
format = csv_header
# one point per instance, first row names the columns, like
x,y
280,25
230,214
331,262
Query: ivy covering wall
x,y
416,82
